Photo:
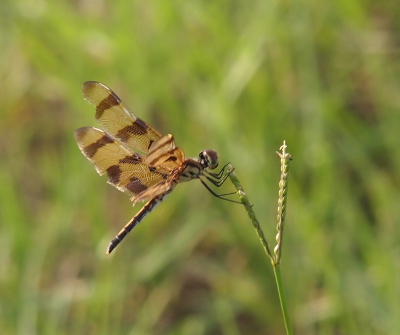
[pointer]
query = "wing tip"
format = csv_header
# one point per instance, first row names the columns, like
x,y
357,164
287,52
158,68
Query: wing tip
x,y
80,133
89,90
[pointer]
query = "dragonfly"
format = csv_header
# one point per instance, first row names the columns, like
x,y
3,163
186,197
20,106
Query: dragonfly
x,y
137,159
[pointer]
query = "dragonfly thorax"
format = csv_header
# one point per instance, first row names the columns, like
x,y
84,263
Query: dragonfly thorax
x,y
208,159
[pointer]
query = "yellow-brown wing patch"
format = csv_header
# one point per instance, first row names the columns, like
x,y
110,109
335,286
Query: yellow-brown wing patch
x,y
164,155
162,187
117,120
125,170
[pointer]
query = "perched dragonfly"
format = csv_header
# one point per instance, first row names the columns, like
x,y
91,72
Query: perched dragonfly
x,y
137,159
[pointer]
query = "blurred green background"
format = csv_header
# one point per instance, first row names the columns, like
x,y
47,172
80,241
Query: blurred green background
x,y
235,76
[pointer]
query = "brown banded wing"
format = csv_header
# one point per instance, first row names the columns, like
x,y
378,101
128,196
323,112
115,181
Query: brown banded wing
x,y
125,169
136,158
117,120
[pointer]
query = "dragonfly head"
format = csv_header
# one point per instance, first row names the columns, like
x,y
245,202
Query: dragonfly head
x,y
208,159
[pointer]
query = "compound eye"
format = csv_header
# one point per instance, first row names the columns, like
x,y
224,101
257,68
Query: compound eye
x,y
209,159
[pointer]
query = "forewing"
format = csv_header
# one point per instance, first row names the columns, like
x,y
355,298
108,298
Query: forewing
x,y
117,120
125,169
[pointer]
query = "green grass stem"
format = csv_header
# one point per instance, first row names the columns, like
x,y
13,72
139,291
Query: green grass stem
x,y
275,258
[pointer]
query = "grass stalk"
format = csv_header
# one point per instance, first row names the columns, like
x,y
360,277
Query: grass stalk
x,y
274,257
